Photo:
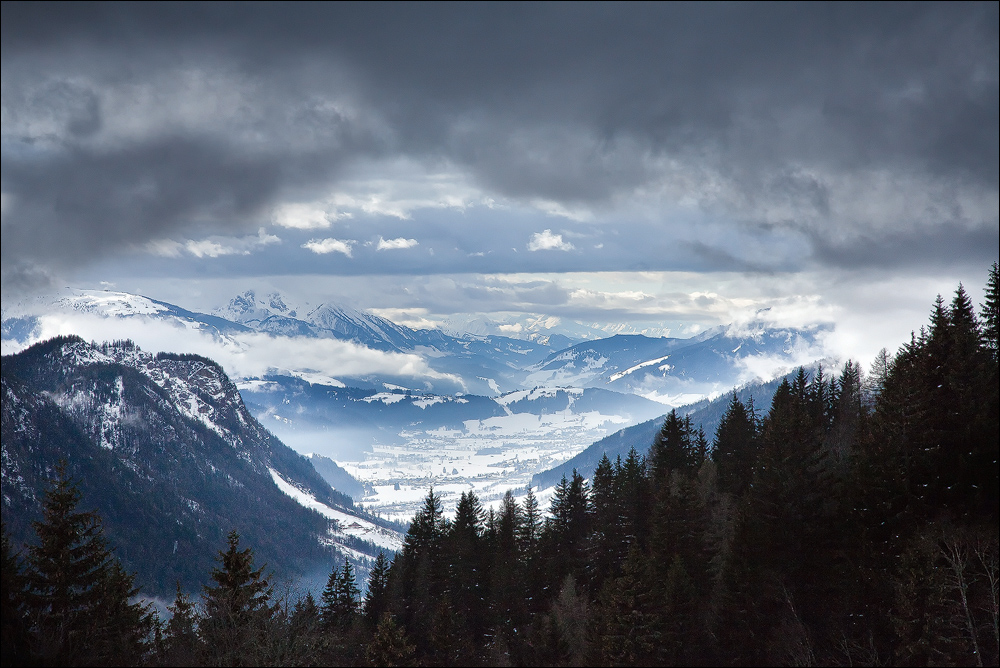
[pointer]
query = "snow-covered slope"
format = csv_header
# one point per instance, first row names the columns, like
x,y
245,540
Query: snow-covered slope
x,y
272,313
399,442
485,363
677,371
314,417
21,320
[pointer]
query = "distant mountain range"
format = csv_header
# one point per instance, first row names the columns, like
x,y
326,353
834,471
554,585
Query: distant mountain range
x,y
164,448
669,370
479,393
345,422
676,371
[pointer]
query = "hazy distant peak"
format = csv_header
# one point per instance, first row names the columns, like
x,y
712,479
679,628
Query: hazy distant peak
x,y
276,302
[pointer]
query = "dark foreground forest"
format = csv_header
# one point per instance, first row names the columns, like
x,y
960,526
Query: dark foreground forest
x,y
854,521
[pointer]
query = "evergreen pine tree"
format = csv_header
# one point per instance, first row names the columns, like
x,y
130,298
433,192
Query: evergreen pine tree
x,y
491,527
989,458
628,622
606,540
389,646
567,528
508,525
78,594
672,448
735,448
237,609
306,643
181,642
350,594
427,526
377,595
14,640
989,313
558,519
340,598
329,597
467,564
848,411
338,614
468,524
971,380
506,581
531,526
418,573
531,560
122,627
636,499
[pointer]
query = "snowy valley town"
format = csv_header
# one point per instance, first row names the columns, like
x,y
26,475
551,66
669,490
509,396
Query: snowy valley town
x,y
500,334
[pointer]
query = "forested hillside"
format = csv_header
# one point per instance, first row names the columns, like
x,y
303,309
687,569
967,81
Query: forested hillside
x,y
164,449
853,521
705,413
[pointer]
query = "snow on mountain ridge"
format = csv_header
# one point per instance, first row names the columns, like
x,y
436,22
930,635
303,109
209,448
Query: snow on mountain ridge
x,y
110,304
275,315
167,452
333,317
640,365
537,393
196,387
476,363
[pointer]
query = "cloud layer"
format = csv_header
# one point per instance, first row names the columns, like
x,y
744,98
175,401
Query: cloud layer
x,y
746,137
250,354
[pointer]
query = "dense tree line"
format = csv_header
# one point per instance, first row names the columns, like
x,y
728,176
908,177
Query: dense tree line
x,y
854,521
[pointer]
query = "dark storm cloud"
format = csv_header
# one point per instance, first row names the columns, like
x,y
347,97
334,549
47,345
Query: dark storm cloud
x,y
761,112
943,245
718,259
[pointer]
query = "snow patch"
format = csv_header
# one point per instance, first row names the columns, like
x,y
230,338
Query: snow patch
x,y
538,393
347,524
258,386
569,374
110,304
385,397
674,400
622,374
315,378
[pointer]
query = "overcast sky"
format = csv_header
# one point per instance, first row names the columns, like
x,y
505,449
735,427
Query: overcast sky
x,y
667,166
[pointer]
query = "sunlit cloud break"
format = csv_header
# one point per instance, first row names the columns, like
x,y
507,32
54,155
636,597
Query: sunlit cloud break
x,y
393,244
324,246
545,240
300,217
212,246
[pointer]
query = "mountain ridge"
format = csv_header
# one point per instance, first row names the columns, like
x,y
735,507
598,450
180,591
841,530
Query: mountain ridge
x,y
164,448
